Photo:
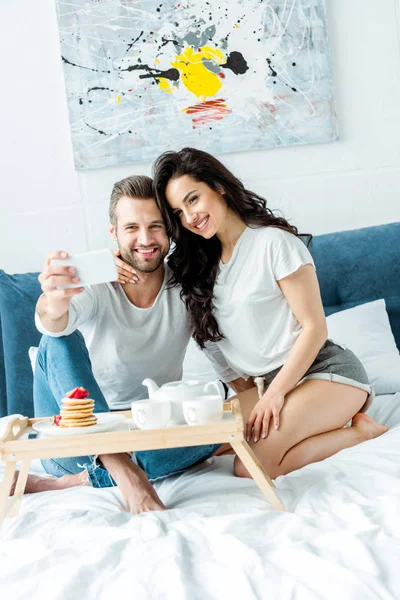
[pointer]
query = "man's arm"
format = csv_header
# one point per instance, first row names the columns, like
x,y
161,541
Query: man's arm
x,y
53,305
50,321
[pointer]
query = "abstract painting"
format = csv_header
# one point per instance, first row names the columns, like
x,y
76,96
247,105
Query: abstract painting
x,y
145,76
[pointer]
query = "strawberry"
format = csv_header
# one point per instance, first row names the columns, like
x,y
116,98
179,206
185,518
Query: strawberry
x,y
56,420
78,392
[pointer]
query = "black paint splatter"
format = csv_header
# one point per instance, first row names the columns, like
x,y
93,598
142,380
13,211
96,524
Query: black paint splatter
x,y
171,74
134,42
96,88
236,63
165,42
68,62
272,70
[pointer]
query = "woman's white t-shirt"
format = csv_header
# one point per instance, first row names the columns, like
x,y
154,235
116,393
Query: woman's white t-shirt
x,y
254,316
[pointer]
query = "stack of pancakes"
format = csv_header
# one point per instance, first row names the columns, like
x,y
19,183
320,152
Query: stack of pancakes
x,y
77,412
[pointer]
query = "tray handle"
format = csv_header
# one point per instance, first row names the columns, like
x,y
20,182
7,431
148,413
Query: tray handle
x,y
14,428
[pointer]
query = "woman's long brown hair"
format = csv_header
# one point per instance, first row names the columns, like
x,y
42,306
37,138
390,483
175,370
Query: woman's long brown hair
x,y
194,260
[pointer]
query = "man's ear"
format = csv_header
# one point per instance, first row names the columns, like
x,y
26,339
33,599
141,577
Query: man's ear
x,y
113,232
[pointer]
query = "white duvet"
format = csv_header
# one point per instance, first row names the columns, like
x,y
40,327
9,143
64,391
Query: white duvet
x,y
339,538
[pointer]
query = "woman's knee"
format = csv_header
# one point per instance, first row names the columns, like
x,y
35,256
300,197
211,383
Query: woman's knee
x,y
239,469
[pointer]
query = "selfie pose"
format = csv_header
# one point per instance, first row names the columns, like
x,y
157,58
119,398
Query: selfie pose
x,y
250,286
106,338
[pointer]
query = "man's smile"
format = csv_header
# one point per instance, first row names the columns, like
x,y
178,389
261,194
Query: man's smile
x,y
147,252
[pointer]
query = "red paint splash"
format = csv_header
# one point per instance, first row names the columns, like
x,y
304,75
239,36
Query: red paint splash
x,y
270,107
209,111
222,75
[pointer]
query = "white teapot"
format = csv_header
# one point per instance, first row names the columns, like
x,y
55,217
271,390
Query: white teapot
x,y
177,391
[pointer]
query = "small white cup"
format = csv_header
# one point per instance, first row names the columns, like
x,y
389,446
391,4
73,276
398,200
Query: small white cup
x,y
150,414
203,409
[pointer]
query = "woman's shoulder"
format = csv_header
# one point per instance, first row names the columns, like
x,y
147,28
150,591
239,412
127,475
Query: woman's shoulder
x,y
273,235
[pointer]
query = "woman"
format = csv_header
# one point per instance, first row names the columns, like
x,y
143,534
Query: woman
x,y
250,286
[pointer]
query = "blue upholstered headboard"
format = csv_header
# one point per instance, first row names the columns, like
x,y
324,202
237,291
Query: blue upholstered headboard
x,y
353,267
359,266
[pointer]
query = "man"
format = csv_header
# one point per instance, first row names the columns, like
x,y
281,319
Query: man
x,y
126,333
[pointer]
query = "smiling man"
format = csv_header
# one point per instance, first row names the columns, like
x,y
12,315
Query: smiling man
x,y
107,338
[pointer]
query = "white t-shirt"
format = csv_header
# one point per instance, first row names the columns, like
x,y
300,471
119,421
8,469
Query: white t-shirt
x,y
127,344
254,316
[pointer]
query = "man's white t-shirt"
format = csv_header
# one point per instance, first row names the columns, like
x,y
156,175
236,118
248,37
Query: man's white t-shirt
x,y
254,316
126,344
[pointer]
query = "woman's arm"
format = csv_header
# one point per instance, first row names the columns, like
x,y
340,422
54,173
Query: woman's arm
x,y
301,290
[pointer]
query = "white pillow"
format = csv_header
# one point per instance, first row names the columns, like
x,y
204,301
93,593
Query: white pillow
x,y
365,330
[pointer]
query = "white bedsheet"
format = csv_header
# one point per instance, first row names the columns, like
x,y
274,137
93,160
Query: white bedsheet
x,y
339,539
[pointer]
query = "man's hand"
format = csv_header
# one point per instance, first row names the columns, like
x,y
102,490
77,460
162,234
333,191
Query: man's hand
x,y
133,483
54,304
126,274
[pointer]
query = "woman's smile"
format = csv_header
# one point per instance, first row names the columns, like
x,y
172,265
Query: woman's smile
x,y
201,225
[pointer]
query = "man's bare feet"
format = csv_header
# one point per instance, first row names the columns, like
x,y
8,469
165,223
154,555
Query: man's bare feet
x,y
35,483
139,494
367,426
137,490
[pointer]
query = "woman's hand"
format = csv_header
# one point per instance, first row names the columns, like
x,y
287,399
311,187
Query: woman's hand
x,y
259,421
125,272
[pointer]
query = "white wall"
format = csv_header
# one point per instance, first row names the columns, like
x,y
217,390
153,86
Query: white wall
x,y
45,204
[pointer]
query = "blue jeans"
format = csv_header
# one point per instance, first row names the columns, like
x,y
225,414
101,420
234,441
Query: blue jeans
x,y
62,364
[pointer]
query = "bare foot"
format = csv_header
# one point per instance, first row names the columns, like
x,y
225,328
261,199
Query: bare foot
x,y
35,483
135,487
138,492
367,426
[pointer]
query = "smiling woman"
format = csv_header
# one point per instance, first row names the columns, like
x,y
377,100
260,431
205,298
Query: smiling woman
x,y
250,285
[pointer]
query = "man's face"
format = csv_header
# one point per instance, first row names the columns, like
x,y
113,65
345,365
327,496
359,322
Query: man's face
x,y
141,234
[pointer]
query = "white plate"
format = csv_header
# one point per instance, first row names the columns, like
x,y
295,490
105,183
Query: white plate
x,y
105,422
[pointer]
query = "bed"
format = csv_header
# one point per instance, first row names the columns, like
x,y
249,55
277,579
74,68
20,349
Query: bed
x,y
339,536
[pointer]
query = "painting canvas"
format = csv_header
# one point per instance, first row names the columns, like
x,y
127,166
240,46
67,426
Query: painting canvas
x,y
146,76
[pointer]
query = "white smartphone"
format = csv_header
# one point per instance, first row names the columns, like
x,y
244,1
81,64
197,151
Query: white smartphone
x,y
91,267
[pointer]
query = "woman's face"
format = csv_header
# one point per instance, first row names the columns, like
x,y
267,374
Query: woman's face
x,y
198,207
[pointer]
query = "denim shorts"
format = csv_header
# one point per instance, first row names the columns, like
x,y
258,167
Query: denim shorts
x,y
338,364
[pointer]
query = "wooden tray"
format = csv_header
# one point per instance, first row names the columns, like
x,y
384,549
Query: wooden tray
x,y
13,449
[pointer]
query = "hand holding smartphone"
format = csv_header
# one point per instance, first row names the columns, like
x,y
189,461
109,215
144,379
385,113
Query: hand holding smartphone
x,y
91,268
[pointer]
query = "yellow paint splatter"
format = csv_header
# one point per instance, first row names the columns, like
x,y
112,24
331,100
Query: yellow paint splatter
x,y
118,99
164,85
236,26
194,75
